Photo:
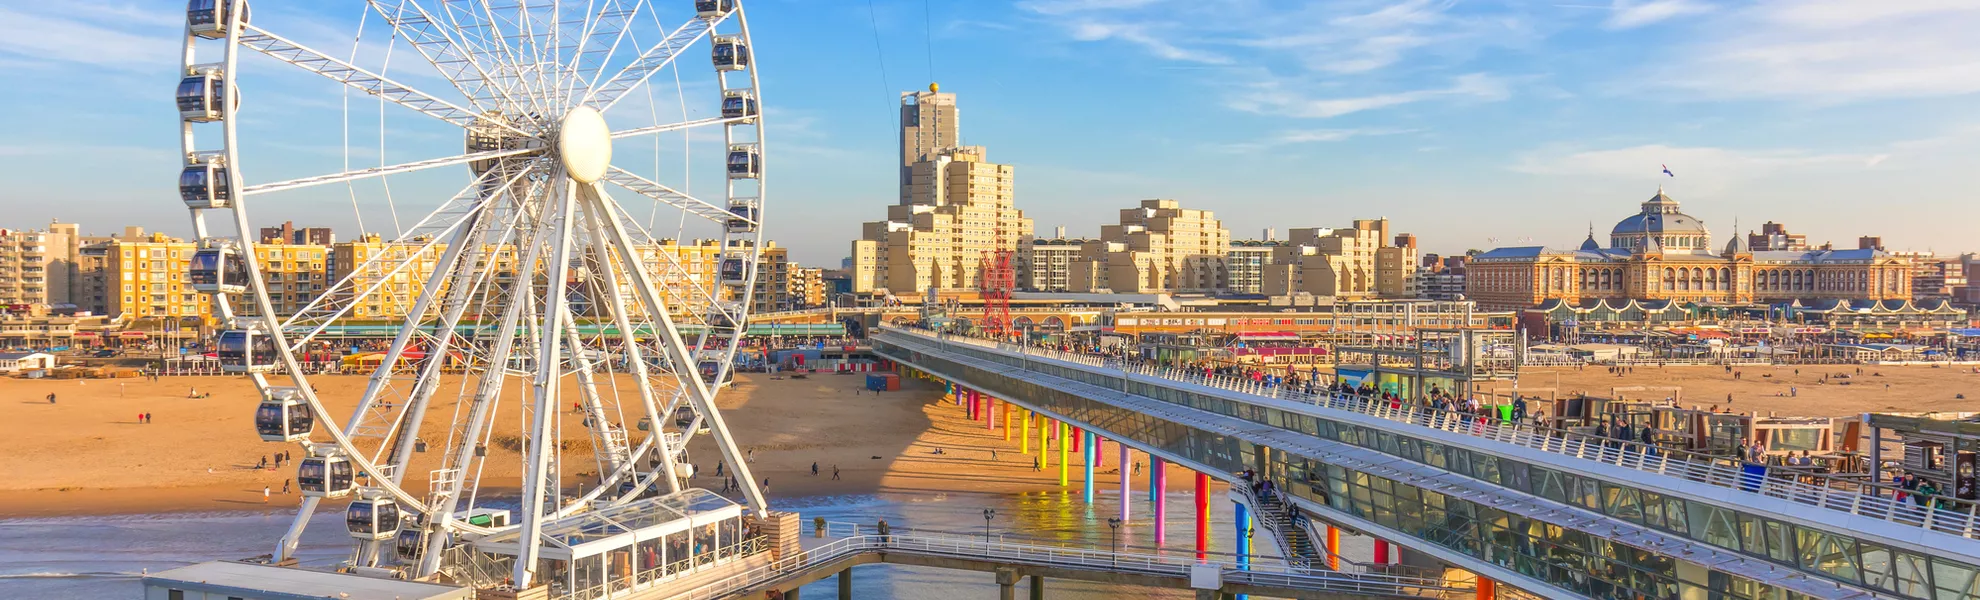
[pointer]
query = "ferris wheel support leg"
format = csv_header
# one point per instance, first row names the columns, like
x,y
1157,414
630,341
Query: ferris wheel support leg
x,y
544,391
677,352
287,545
629,340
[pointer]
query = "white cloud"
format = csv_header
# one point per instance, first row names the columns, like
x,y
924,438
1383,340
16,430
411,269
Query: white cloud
x,y
34,36
1831,51
1293,137
1093,31
1271,98
1630,14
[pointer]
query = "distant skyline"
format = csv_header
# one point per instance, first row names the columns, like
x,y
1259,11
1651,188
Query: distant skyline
x,y
1460,122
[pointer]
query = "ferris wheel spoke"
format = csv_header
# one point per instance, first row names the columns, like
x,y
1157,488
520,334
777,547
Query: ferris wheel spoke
x,y
538,478
671,197
342,297
676,272
614,303
649,62
397,169
663,128
450,53
697,391
282,49
614,21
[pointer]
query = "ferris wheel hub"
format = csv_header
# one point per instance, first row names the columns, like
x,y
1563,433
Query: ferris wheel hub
x,y
584,144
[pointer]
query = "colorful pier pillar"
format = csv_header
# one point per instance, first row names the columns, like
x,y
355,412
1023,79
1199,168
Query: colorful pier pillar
x,y
1090,452
1124,482
1333,547
990,413
1024,440
1202,516
1241,526
1007,421
1381,552
1487,589
1078,439
1065,456
1159,474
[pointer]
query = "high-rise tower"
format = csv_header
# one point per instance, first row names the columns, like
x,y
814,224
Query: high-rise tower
x,y
928,125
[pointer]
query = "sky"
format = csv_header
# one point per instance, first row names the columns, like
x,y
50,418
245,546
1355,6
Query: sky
x,y
1470,124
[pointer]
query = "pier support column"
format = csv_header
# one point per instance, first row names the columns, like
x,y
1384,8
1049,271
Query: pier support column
x,y
1487,589
846,584
1065,456
1333,547
1024,440
1381,552
1007,579
1161,496
1007,420
1154,479
1099,451
1202,516
1125,472
1088,467
1037,587
1078,440
792,594
989,413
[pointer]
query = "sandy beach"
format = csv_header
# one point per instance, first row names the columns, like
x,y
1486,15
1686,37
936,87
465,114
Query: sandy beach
x,y
88,454
1848,390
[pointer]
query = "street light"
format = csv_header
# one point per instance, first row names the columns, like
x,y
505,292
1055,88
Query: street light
x,y
988,514
1114,539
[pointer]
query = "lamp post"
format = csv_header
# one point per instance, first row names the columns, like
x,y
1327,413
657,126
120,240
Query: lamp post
x,y
1114,538
988,514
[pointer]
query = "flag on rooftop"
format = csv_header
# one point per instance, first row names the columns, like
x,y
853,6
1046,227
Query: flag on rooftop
x,y
1667,170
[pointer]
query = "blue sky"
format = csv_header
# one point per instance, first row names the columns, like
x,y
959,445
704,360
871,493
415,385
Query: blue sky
x,y
1471,124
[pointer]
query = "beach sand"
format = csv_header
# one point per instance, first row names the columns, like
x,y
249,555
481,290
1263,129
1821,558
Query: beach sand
x,y
1788,390
88,454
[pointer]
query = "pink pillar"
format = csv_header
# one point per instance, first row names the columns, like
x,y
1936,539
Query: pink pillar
x,y
990,414
1099,451
1160,472
1124,482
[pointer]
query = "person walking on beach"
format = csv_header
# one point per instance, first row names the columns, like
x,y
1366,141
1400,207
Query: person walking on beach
x,y
285,486
835,472
814,469
51,397
264,494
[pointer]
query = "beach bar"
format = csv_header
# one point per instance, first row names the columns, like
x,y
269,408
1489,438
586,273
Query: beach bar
x,y
616,551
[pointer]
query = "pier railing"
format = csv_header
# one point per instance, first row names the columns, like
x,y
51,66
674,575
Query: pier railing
x,y
1061,557
1833,493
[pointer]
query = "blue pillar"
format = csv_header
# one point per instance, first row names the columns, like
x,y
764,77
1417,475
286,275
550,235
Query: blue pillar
x,y
1154,481
1242,527
1088,468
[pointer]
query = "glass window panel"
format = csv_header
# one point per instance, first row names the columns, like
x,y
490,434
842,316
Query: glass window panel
x,y
1878,570
1622,502
1832,554
1954,580
1712,526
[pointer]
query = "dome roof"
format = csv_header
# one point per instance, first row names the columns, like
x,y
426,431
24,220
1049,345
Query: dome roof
x,y
1737,245
1659,216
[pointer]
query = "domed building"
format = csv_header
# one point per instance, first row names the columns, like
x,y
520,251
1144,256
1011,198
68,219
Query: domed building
x,y
1661,221
1662,255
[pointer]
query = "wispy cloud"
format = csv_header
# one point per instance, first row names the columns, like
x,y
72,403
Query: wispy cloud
x,y
1631,14
1273,98
1139,35
1831,51
37,36
1293,137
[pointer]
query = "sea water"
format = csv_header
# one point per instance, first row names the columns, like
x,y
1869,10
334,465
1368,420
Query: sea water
x,y
103,557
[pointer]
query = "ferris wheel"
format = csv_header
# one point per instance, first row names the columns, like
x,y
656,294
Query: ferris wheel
x,y
531,278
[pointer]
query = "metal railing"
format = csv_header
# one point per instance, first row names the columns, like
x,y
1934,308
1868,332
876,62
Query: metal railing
x,y
1060,557
1853,497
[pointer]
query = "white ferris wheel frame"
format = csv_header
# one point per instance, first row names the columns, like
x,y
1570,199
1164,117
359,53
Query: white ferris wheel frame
x,y
605,223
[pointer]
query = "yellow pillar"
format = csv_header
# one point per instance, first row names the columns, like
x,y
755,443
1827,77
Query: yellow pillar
x,y
1065,458
1024,440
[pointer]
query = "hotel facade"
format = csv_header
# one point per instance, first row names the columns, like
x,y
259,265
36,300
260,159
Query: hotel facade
x,y
1660,253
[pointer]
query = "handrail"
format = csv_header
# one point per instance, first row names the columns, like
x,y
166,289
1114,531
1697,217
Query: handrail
x,y
1080,558
1866,500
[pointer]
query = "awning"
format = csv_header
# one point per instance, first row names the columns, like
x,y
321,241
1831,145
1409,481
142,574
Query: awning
x,y
131,334
1269,336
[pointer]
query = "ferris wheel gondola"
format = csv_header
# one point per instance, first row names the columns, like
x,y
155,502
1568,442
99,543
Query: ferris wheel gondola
x,y
537,271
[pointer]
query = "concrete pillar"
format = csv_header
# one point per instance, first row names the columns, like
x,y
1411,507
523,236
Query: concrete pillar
x,y
1125,472
1487,589
1161,495
1381,552
792,594
1037,588
1202,516
1065,456
846,584
1088,467
1333,547
1007,579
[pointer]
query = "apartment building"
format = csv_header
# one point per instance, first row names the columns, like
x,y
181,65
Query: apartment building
x,y
1158,246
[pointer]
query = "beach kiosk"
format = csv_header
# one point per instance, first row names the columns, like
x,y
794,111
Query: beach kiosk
x,y
619,551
